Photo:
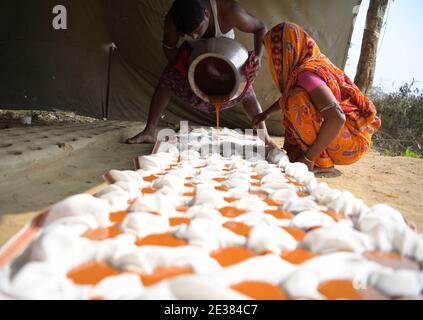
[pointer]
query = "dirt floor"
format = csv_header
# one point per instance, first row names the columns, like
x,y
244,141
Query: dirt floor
x,y
43,184
397,182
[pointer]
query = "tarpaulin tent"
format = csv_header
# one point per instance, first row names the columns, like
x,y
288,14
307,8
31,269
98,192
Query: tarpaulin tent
x,y
43,68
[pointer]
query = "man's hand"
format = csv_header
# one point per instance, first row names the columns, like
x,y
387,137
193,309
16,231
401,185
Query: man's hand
x,y
245,22
261,117
256,68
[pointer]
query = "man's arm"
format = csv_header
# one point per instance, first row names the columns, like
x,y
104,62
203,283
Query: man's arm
x,y
170,39
246,22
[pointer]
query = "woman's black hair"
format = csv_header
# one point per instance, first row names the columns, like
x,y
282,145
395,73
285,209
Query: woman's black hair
x,y
187,15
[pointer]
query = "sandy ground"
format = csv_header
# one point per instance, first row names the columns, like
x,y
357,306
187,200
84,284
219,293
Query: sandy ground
x,y
397,182
29,191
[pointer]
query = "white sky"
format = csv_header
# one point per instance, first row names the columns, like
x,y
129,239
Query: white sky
x,y
400,57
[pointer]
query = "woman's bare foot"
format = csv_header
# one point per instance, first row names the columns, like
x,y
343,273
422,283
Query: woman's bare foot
x,y
320,170
143,137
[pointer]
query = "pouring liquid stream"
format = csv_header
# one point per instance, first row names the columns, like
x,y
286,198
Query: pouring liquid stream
x,y
217,102
218,108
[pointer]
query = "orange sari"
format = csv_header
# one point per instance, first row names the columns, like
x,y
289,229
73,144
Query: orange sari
x,y
292,51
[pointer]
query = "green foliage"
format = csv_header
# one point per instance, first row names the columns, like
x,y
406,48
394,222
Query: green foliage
x,y
410,154
401,112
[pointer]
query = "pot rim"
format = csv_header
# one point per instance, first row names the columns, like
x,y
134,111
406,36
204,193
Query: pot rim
x,y
193,66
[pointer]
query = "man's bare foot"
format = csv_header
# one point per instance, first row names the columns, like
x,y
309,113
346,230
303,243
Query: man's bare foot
x,y
142,137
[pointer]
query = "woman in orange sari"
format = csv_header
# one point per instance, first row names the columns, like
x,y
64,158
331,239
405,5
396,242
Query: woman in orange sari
x,y
327,120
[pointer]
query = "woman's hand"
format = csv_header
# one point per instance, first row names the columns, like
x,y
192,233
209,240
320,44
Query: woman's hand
x,y
302,158
261,117
411,224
